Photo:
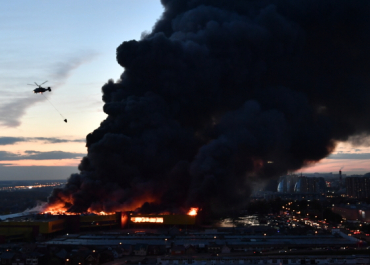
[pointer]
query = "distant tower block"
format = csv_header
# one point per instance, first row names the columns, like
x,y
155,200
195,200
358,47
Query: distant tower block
x,y
340,180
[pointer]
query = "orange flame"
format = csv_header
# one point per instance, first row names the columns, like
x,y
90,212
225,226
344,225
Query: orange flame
x,y
98,208
147,219
193,211
69,213
61,210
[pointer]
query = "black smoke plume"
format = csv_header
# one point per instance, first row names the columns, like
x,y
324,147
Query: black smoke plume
x,y
218,90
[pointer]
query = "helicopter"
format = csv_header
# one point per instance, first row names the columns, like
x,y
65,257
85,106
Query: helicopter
x,y
40,89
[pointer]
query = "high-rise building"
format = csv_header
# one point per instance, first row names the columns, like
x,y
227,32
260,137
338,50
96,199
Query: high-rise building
x,y
358,187
306,184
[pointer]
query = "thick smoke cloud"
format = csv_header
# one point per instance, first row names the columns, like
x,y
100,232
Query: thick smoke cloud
x,y
217,90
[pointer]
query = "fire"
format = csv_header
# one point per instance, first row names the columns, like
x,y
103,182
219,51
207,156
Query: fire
x,y
147,219
59,210
68,213
56,209
60,207
193,211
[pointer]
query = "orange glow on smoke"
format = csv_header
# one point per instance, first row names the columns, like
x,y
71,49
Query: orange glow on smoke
x,y
56,209
193,211
147,219
257,164
130,205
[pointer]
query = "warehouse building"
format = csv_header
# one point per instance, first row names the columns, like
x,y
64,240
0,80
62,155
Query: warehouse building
x,y
20,227
29,227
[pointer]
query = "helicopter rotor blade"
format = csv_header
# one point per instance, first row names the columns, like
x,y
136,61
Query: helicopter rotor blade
x,y
37,84
44,82
31,84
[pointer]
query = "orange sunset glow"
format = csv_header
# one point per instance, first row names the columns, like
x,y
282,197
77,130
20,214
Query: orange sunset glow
x,y
47,163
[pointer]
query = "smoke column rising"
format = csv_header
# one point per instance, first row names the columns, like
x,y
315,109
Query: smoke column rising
x,y
214,92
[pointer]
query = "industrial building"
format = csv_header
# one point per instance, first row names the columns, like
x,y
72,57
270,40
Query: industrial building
x,y
287,183
29,227
294,187
21,227
301,184
355,212
26,227
162,219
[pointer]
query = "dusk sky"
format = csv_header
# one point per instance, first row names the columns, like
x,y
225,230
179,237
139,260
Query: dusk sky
x,y
72,44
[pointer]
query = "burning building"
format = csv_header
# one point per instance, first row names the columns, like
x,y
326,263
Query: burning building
x,y
17,227
213,93
165,219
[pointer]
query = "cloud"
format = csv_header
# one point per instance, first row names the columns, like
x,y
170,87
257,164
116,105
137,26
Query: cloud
x,y
63,69
37,155
12,140
12,111
349,156
360,140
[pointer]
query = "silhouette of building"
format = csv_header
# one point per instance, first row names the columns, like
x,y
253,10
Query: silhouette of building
x,y
287,183
312,184
353,212
301,184
358,187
